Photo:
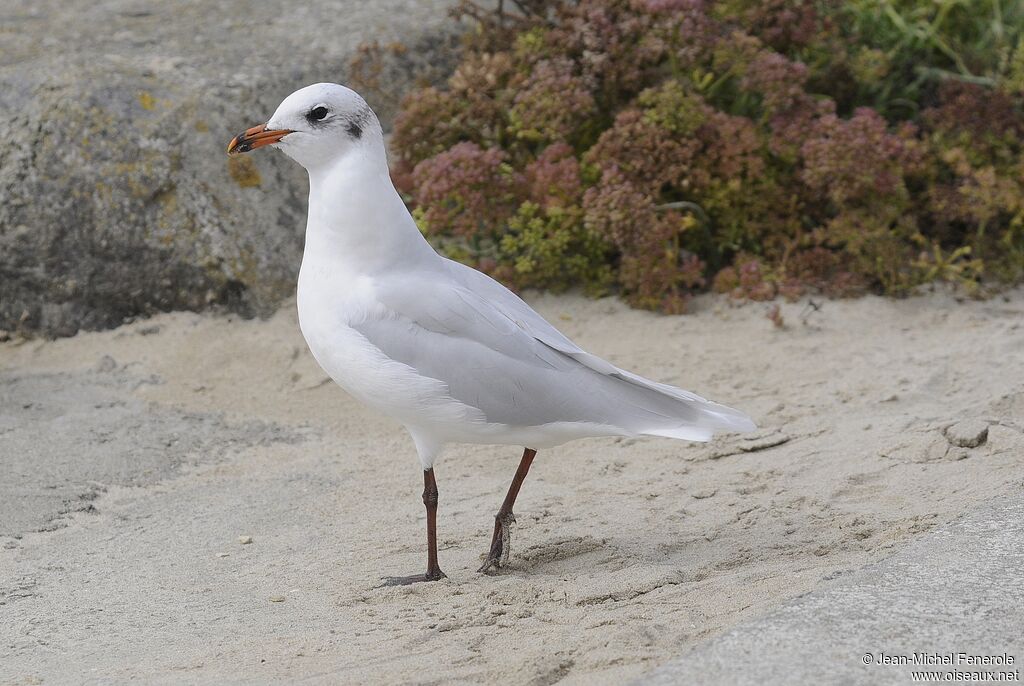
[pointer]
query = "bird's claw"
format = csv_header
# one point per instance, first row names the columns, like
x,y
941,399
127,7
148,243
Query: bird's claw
x,y
506,537
500,550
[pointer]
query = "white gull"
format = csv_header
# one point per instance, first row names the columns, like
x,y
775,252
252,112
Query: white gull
x,y
447,351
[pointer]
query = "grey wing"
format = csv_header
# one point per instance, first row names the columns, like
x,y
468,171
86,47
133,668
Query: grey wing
x,y
447,333
489,360
718,416
506,386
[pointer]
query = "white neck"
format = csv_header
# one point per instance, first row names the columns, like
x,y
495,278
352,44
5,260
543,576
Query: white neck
x,y
357,221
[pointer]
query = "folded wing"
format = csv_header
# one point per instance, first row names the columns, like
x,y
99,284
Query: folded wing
x,y
495,353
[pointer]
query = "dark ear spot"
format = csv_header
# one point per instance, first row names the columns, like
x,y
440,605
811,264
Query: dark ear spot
x,y
354,129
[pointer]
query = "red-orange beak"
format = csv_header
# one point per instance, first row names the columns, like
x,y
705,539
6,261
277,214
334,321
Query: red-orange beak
x,y
256,137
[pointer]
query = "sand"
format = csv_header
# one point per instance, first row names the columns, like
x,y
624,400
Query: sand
x,y
138,457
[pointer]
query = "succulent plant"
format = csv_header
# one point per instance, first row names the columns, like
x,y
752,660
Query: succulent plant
x,y
765,148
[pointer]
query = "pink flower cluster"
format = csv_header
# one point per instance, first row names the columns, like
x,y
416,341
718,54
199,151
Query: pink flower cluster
x,y
467,190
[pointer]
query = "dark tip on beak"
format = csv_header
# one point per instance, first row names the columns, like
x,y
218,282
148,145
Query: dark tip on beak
x,y
237,146
256,137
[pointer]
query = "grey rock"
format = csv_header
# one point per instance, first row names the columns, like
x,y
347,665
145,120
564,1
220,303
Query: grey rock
x,y
116,197
957,589
969,433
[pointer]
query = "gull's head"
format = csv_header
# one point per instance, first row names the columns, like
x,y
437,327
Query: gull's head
x,y
315,126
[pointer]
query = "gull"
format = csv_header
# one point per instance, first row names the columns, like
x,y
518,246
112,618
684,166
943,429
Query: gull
x,y
444,349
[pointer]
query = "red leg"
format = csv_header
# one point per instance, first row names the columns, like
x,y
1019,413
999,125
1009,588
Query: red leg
x,y
502,538
434,572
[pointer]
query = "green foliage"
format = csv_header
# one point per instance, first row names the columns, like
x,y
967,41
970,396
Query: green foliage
x,y
780,146
553,249
913,45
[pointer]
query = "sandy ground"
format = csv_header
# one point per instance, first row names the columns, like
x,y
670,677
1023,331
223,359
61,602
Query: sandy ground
x,y
134,460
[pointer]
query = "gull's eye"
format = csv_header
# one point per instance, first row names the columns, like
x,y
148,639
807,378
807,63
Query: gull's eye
x,y
317,113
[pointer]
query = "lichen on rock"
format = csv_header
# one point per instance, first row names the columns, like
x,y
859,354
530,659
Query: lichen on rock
x,y
117,198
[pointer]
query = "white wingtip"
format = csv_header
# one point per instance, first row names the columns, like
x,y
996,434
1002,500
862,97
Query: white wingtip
x,y
732,421
686,433
736,423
